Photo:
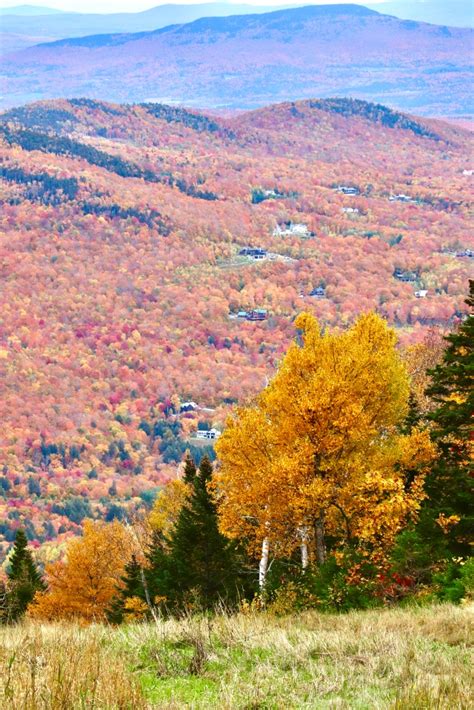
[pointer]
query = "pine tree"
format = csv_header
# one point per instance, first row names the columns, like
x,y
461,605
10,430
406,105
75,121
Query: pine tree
x,y
24,579
449,486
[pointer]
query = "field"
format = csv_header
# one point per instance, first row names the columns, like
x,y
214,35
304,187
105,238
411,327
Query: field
x,y
395,658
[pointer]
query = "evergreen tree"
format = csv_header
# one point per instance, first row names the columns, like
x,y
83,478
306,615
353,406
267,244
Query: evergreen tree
x,y
449,485
132,587
203,561
197,565
190,470
24,579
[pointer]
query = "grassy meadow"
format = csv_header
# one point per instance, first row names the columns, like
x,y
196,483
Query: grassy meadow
x,y
402,659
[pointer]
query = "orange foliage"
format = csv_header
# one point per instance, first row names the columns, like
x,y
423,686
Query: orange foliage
x,y
83,585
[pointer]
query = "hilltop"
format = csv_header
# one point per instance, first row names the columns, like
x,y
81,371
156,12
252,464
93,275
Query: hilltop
x,y
247,61
124,267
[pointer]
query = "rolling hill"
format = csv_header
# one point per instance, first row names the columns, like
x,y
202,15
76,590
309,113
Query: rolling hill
x,y
250,60
123,266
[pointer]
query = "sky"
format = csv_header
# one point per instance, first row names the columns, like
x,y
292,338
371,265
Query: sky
x,y
138,5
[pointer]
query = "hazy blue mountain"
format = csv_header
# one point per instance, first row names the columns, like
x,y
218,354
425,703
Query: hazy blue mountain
x,y
454,13
26,29
251,60
24,10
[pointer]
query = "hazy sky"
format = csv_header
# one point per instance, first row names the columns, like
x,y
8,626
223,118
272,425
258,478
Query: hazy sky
x,y
138,5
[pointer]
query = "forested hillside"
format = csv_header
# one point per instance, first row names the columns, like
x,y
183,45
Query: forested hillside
x,y
153,256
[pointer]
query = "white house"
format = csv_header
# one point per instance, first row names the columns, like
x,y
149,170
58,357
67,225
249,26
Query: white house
x,y
421,294
213,434
350,210
207,434
292,229
400,198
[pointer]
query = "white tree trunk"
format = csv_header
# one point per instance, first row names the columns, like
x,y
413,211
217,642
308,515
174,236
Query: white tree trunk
x,y
263,566
304,555
304,547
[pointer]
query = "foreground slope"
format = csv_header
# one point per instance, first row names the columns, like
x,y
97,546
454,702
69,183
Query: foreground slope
x,y
251,60
386,659
121,229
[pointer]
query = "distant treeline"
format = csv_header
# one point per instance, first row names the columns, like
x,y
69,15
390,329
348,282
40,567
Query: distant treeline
x,y
43,187
61,145
375,113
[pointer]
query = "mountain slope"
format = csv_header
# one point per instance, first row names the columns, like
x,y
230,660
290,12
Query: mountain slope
x,y
251,60
121,229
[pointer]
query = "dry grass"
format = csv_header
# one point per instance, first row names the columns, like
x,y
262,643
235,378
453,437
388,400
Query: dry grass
x,y
398,659
64,668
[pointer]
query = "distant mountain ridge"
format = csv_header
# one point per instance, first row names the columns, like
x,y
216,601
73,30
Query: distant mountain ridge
x,y
226,25
26,25
28,10
27,29
248,61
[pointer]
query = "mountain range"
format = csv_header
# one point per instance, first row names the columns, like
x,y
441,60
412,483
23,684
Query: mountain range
x,y
25,25
247,61
26,29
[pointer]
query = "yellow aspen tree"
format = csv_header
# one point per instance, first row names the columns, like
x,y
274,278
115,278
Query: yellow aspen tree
x,y
325,428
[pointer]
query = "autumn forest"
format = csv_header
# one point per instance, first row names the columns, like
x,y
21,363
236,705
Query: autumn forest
x,y
127,291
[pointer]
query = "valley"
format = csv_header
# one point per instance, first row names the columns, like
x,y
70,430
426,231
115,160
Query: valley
x,y
133,236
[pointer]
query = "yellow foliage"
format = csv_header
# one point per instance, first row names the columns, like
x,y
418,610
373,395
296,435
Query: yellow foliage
x,y
322,443
167,506
135,608
447,522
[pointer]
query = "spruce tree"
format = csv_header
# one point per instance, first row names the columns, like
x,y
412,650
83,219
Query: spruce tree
x,y
449,485
190,469
202,563
132,587
24,579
